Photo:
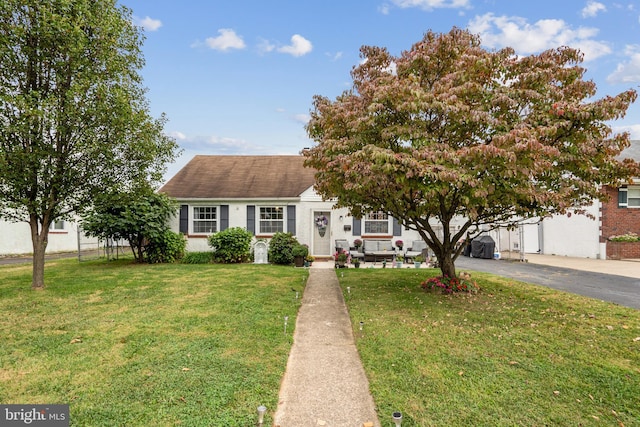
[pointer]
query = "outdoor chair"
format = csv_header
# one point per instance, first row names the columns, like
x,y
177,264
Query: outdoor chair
x,y
418,247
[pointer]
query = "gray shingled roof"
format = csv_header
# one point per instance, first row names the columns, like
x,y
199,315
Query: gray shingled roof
x,y
240,177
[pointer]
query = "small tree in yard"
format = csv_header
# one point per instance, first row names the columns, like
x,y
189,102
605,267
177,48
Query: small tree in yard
x,y
141,218
74,120
450,130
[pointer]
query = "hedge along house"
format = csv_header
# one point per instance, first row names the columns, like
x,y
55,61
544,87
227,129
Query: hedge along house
x,y
265,195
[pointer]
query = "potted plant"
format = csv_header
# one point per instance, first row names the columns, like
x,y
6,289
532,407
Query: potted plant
x,y
417,261
299,253
341,259
399,244
356,263
309,259
357,244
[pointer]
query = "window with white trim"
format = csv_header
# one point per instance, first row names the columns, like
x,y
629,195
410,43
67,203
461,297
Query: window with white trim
x,y
629,197
57,226
205,219
271,219
376,223
633,197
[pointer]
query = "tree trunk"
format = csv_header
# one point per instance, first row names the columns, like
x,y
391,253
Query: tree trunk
x,y
447,266
39,239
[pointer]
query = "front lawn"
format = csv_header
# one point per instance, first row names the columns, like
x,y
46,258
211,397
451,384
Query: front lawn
x,y
513,355
204,345
139,345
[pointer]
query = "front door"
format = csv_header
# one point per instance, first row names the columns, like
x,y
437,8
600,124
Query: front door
x,y
321,233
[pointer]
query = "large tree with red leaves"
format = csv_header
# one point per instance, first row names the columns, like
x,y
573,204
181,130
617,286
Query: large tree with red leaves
x,y
451,130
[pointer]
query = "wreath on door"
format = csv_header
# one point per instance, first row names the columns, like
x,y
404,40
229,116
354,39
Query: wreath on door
x,y
321,223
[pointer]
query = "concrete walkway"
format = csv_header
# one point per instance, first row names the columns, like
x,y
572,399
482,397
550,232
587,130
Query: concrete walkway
x,y
324,383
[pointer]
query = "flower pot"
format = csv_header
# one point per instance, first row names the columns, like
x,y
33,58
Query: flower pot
x,y
416,264
299,261
398,264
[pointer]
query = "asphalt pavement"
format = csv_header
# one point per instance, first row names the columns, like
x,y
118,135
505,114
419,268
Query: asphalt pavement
x,y
607,280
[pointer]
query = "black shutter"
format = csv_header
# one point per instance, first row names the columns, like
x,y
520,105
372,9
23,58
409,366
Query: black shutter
x,y
251,219
397,229
184,219
291,219
357,226
224,217
622,197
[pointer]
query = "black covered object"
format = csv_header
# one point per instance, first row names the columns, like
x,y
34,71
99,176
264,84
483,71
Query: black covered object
x,y
483,247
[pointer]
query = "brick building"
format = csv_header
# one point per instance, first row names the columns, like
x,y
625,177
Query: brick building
x,y
621,215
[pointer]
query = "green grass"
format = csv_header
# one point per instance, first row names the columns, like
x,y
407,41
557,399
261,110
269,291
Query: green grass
x,y
140,345
513,355
203,345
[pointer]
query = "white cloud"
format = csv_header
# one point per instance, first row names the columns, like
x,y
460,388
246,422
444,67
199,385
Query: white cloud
x,y
299,46
265,46
149,24
526,38
628,71
334,56
428,4
634,131
592,9
228,39
213,144
177,135
302,118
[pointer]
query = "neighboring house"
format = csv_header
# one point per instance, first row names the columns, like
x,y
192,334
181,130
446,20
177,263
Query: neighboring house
x,y
265,195
621,215
63,237
579,236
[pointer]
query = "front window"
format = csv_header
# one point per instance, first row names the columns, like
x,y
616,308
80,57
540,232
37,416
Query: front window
x,y
205,219
271,219
57,226
376,223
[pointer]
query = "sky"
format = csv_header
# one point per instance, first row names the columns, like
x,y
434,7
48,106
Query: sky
x,y
239,76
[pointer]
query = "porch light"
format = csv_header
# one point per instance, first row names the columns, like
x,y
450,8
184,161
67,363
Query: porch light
x,y
397,418
261,411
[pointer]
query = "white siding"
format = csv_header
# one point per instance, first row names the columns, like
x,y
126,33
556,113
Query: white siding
x,y
16,239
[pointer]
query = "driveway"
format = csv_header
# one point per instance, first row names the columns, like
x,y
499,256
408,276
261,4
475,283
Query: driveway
x,y
620,290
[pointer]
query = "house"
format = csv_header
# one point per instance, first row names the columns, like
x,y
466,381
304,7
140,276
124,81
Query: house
x,y
265,195
580,236
64,236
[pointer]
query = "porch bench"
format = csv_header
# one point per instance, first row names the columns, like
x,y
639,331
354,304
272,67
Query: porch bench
x,y
375,250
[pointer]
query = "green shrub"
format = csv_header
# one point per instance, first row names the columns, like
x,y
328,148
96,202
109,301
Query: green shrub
x,y
231,245
281,248
300,250
197,258
166,246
